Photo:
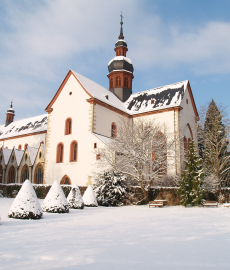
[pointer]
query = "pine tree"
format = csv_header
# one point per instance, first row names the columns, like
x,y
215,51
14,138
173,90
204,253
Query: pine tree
x,y
215,157
111,188
191,179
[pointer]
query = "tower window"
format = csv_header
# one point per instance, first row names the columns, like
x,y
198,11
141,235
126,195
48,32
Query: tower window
x,y
111,83
95,145
126,82
118,81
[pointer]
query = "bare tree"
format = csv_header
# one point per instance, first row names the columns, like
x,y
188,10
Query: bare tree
x,y
142,150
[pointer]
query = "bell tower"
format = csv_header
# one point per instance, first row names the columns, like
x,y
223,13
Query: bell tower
x,y
10,115
121,69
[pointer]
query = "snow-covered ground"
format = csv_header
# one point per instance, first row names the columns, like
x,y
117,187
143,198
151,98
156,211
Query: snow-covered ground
x,y
131,237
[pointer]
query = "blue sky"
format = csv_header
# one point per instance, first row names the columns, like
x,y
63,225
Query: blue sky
x,y
168,41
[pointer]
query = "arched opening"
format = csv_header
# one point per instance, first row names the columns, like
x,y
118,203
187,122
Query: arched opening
x,y
68,126
114,130
126,82
25,146
118,81
1,174
60,153
65,180
11,175
20,146
73,151
111,83
24,173
38,174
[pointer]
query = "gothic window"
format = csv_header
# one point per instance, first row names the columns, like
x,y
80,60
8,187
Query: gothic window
x,y
111,83
1,174
20,146
114,130
68,126
118,81
25,146
24,173
11,175
60,153
38,175
73,151
126,83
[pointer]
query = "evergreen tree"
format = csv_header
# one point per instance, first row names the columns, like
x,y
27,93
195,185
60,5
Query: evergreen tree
x,y
110,188
191,179
215,155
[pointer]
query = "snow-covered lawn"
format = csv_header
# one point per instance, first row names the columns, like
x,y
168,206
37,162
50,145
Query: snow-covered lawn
x,y
131,237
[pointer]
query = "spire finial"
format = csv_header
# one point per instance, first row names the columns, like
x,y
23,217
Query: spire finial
x,y
121,31
11,105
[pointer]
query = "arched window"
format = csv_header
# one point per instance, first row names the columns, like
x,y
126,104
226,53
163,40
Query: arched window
x,y
126,82
65,180
1,174
114,130
73,151
20,146
60,153
38,174
25,146
68,126
111,83
24,173
118,81
11,175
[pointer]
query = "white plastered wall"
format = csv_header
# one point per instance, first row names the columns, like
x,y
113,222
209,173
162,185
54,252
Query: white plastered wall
x,y
81,112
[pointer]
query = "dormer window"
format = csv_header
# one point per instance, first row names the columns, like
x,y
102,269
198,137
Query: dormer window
x,y
106,96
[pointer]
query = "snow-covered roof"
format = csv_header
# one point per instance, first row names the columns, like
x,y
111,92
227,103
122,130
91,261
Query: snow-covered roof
x,y
32,153
157,98
163,97
6,154
118,58
25,126
104,139
18,155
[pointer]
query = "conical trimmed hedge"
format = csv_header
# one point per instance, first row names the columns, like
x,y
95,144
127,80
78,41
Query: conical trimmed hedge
x,y
75,199
89,197
26,204
55,201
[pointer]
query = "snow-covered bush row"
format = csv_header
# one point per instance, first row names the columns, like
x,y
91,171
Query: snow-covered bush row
x,y
55,200
75,199
89,197
40,189
26,205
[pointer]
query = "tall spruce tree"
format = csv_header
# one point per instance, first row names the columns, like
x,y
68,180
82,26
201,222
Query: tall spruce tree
x,y
191,179
215,155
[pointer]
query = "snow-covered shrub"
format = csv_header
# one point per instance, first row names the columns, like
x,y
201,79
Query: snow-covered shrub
x,y
75,199
26,204
110,188
89,197
55,200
